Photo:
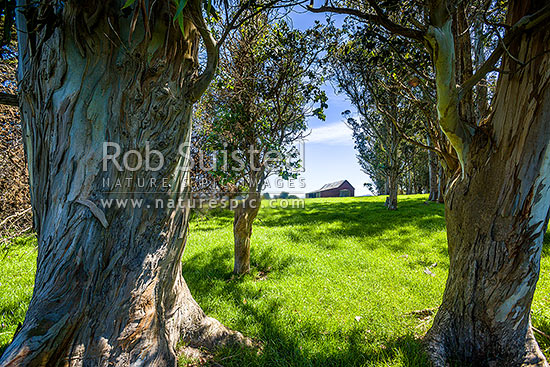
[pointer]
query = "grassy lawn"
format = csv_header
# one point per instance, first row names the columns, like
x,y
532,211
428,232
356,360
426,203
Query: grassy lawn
x,y
333,284
17,268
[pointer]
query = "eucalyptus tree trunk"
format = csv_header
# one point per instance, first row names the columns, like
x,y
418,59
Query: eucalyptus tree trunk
x,y
245,214
394,163
497,215
393,187
108,287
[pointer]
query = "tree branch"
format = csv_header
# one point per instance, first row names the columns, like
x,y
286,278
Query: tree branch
x,y
402,133
379,19
523,25
9,99
237,21
398,127
212,54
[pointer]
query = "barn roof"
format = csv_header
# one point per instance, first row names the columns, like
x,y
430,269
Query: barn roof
x,y
333,185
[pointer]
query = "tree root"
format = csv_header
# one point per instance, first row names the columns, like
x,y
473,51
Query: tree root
x,y
435,348
530,356
211,335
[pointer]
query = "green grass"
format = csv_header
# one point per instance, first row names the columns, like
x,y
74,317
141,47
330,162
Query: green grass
x,y
332,284
17,268
316,269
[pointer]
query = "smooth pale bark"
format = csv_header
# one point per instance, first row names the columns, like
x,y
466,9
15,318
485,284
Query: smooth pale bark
x,y
108,287
497,215
440,39
244,217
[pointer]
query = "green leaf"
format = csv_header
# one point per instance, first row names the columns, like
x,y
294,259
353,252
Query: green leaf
x,y
209,6
180,4
180,22
128,3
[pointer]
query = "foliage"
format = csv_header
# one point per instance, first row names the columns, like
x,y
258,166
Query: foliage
x,y
256,108
391,128
7,22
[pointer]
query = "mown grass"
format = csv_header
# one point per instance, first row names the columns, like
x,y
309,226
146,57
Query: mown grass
x,y
17,268
332,284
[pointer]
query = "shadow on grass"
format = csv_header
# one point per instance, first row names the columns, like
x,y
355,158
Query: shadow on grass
x,y
283,347
204,268
3,348
209,277
360,219
543,339
546,245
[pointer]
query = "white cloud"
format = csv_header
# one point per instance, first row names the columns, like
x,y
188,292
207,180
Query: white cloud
x,y
336,133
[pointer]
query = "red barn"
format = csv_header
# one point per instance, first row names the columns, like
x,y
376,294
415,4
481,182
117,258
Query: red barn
x,y
333,190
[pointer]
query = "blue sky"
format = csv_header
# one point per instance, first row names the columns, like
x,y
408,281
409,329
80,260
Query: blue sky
x,y
329,152
329,149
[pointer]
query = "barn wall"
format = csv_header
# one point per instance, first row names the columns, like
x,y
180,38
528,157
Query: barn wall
x,y
336,192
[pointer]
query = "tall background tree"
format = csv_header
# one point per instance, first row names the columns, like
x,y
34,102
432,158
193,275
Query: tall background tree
x,y
394,121
268,84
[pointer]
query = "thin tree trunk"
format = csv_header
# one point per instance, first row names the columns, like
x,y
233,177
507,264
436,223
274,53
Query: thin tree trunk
x,y
496,219
433,169
441,185
393,183
432,173
481,97
108,287
242,231
407,183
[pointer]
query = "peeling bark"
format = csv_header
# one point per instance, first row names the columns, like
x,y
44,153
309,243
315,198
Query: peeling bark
x,y
108,287
496,219
440,39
